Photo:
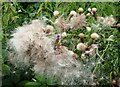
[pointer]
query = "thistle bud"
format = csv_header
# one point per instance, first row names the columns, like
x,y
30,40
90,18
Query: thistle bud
x,y
89,9
81,47
73,13
81,35
94,10
114,82
80,10
88,29
94,13
118,25
94,36
57,44
56,13
49,29
58,37
64,34
87,15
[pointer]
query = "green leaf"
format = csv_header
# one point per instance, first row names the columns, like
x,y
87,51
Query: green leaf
x,y
23,82
5,69
6,7
7,82
5,54
31,84
40,78
13,9
5,19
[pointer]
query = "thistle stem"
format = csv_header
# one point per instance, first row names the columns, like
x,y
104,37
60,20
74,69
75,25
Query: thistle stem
x,y
95,15
100,58
90,41
68,19
82,40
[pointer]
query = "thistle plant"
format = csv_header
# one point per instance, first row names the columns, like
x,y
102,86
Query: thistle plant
x,y
45,47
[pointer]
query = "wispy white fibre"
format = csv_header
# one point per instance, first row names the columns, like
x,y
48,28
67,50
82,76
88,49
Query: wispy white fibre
x,y
32,46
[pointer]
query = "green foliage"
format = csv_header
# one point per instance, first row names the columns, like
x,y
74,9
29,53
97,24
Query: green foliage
x,y
5,69
16,14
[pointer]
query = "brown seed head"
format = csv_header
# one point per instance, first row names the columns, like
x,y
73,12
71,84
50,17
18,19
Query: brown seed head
x,y
81,35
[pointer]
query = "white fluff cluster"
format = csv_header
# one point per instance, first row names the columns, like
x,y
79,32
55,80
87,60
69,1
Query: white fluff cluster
x,y
78,21
81,46
109,21
74,20
56,13
32,46
73,13
106,21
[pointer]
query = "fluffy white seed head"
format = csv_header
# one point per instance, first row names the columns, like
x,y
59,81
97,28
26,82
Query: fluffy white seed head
x,y
81,47
94,36
89,9
73,13
100,19
56,13
108,21
80,10
88,29
94,10
64,34
49,29
33,47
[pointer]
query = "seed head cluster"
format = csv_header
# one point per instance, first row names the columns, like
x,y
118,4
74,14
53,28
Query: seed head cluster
x,y
41,46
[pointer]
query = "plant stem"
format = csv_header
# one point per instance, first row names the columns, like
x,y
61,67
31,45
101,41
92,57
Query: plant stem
x,y
101,57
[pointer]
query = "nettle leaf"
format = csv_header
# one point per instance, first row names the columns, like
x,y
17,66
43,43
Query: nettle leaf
x,y
5,54
31,84
5,19
6,7
5,70
13,9
32,15
40,78
23,82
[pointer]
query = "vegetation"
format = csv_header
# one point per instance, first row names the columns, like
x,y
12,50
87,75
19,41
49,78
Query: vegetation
x,y
16,14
